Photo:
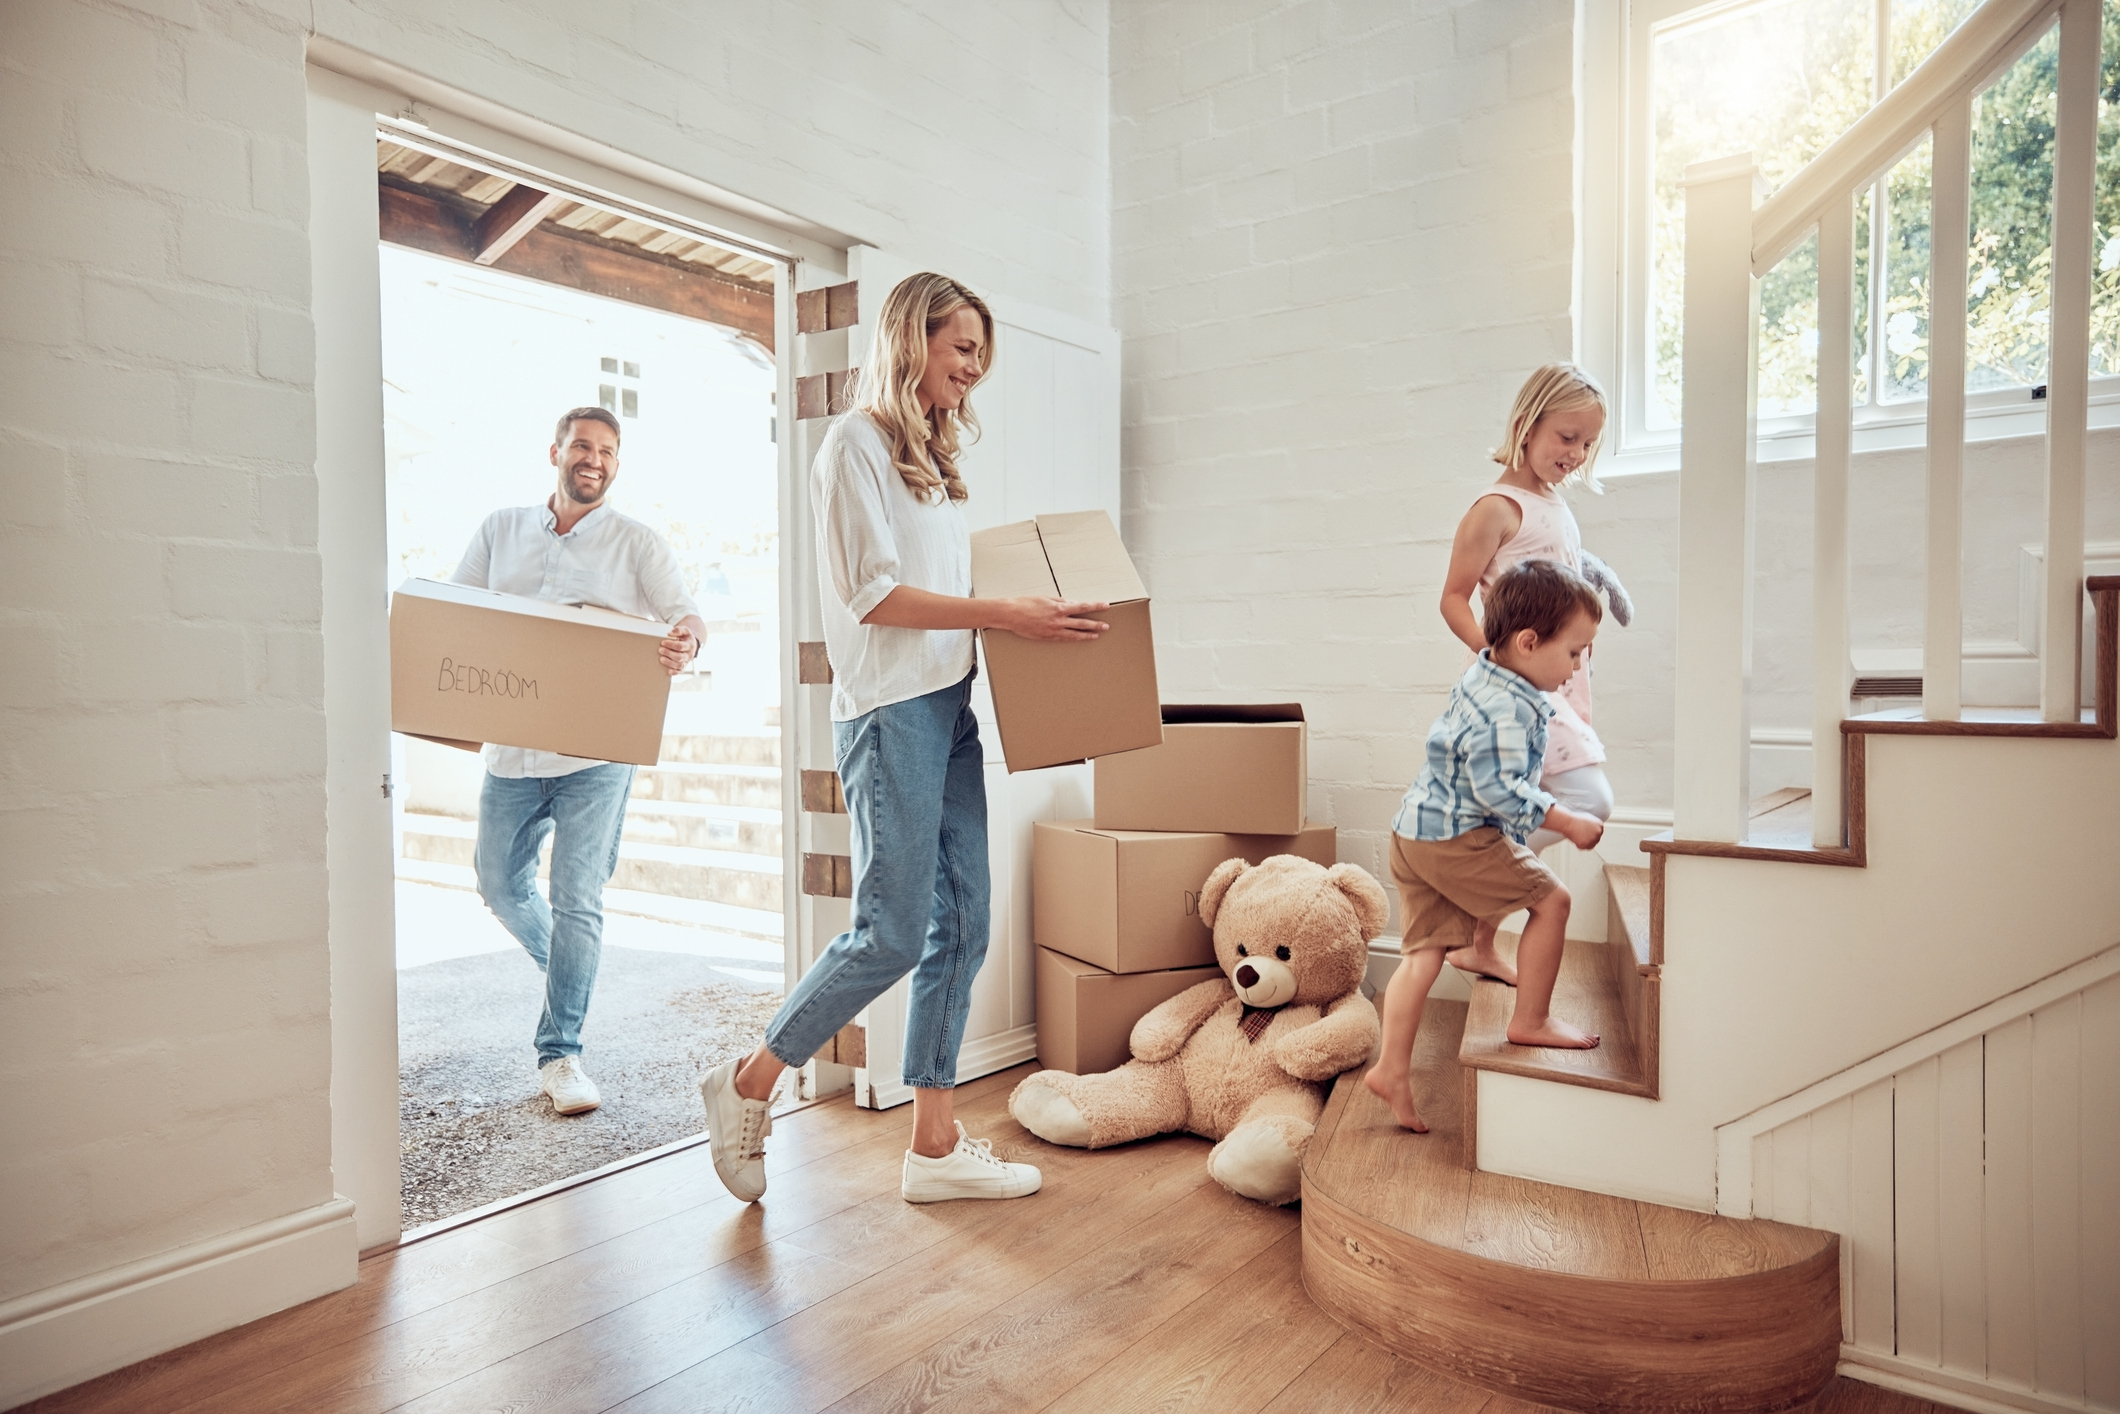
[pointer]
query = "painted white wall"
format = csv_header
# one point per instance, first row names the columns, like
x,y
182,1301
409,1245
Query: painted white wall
x,y
162,594
1342,236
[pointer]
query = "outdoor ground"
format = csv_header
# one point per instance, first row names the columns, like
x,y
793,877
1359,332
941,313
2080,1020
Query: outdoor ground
x,y
474,1126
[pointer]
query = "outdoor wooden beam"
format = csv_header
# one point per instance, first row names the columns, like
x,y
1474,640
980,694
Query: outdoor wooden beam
x,y
423,222
511,218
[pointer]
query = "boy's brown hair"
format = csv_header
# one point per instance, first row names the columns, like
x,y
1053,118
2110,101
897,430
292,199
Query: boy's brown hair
x,y
1540,595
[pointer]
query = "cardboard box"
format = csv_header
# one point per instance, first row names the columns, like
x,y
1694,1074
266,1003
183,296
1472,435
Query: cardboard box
x,y
1060,703
474,665
1086,1015
1129,901
1232,769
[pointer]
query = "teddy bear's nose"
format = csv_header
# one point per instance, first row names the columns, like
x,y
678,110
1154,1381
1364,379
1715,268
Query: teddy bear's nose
x,y
1247,976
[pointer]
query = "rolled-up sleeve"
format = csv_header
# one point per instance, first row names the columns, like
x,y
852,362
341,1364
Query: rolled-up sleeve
x,y
475,569
662,582
1500,779
861,555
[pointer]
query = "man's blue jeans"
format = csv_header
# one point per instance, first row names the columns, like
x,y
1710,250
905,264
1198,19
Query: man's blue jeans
x,y
583,814
914,777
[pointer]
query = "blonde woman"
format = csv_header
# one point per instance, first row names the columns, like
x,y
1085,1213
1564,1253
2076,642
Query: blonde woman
x,y
1555,429
895,575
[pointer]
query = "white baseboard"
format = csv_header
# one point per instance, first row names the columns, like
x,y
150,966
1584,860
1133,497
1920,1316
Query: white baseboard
x,y
62,1335
980,1057
1947,1388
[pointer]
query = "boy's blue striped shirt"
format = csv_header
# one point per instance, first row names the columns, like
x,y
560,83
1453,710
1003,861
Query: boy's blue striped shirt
x,y
1484,755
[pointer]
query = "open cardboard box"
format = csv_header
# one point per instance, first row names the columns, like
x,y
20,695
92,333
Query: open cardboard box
x,y
1130,902
469,666
1063,702
1229,768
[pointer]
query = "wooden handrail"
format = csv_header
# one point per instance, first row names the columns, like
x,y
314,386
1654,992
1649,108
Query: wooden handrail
x,y
1990,39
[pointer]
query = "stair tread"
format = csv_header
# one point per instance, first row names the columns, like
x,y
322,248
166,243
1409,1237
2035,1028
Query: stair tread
x,y
1420,1185
1584,995
1629,885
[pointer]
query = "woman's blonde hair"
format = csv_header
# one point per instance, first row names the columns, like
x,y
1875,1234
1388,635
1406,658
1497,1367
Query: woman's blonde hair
x,y
1554,387
923,448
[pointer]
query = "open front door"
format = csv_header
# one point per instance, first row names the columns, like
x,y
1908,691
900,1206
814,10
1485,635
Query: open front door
x,y
1049,414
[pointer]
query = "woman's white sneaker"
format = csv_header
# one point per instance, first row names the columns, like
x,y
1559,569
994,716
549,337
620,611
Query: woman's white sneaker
x,y
736,1133
571,1091
968,1171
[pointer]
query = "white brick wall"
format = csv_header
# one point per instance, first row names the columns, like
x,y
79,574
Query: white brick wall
x,y
1342,236
165,991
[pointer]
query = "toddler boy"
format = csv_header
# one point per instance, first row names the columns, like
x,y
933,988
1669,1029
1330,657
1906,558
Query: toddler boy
x,y
1457,849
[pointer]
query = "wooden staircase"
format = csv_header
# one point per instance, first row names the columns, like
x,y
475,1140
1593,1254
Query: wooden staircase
x,y
1552,1294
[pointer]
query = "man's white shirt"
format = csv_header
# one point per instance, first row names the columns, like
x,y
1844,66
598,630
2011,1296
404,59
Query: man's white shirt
x,y
607,560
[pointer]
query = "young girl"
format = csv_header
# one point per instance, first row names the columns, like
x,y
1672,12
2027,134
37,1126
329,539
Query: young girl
x,y
1551,441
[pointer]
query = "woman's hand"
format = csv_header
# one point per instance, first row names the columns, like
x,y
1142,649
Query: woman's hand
x,y
1034,616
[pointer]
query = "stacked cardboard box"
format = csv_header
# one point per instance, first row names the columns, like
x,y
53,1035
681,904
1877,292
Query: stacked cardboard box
x,y
1116,899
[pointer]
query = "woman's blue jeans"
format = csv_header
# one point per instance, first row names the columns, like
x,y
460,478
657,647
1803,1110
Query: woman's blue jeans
x,y
914,777
583,813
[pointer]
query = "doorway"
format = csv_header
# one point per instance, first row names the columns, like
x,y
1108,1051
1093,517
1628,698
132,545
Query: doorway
x,y
502,306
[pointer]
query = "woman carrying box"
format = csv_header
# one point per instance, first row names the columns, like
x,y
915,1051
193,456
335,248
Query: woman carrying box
x,y
894,565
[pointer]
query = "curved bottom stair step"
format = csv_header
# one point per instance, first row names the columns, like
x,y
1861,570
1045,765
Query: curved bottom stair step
x,y
1612,988
1551,1294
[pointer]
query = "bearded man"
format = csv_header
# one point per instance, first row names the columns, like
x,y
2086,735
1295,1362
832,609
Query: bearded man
x,y
571,550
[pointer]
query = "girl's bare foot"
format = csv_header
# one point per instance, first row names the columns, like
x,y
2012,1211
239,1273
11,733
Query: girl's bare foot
x,y
1483,959
1552,1032
1399,1096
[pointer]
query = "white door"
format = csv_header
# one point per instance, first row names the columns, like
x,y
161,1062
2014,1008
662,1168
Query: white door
x,y
1049,414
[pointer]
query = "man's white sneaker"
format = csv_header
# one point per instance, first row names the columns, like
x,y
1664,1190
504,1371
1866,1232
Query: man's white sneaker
x,y
736,1133
968,1171
571,1091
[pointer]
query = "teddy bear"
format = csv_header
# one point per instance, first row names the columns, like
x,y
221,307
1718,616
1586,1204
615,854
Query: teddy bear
x,y
1243,1059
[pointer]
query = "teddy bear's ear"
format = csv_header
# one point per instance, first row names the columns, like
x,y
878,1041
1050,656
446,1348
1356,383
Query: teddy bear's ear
x,y
1217,885
1363,891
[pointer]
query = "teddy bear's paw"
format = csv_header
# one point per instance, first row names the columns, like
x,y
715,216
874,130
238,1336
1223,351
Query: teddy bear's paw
x,y
1261,1160
1047,1113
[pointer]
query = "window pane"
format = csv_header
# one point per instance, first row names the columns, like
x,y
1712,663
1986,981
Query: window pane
x,y
1781,80
2105,295
631,403
1918,26
610,365
607,398
2009,268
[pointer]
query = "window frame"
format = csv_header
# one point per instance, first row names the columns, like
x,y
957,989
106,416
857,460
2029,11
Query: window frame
x,y
1615,199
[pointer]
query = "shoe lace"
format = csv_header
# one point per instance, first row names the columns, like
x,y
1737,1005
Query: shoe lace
x,y
566,1070
757,1124
980,1149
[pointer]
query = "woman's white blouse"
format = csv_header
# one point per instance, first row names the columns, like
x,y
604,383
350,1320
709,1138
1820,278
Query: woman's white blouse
x,y
874,534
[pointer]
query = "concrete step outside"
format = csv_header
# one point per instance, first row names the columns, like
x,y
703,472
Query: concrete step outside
x,y
738,829
757,787
717,876
760,931
704,749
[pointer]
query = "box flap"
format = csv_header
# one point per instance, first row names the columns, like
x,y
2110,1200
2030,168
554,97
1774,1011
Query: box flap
x,y
445,592
1088,561
1194,712
1008,560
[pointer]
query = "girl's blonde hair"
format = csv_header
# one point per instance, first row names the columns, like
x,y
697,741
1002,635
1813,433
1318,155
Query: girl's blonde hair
x,y
1554,387
923,448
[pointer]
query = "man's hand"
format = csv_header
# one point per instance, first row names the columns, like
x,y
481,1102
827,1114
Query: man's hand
x,y
679,649
1051,620
1582,831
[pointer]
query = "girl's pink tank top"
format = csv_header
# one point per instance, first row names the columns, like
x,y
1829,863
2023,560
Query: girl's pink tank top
x,y
1548,532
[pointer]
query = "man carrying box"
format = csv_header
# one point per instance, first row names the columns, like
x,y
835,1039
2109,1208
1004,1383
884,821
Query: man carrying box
x,y
571,550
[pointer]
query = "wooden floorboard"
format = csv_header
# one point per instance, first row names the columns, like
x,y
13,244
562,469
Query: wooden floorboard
x,y
1132,1282
1585,994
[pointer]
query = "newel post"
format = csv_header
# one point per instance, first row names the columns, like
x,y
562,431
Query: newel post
x,y
1712,736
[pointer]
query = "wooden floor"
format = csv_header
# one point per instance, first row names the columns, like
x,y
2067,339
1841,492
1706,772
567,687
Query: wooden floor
x,y
1132,1282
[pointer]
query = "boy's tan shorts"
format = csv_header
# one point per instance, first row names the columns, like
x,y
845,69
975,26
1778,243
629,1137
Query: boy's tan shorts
x,y
1446,886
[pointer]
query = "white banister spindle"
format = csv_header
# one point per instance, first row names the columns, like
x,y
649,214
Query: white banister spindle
x,y
2068,369
1829,541
1711,735
1950,216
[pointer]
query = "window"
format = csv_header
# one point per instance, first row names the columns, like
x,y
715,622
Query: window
x,y
613,397
1782,79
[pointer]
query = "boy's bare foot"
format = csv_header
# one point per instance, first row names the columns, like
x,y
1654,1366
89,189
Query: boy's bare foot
x,y
1399,1096
1554,1033
1483,960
